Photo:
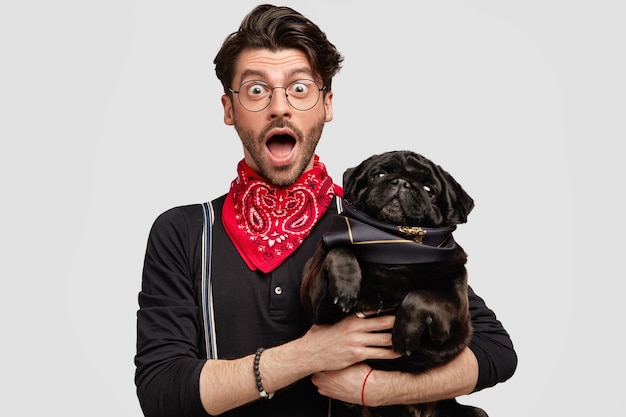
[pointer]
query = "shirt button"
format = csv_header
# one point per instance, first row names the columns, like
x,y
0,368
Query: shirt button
x,y
278,290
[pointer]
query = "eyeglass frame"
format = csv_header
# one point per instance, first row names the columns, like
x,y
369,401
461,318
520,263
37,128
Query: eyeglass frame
x,y
319,90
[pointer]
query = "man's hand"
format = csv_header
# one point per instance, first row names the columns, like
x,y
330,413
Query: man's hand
x,y
350,341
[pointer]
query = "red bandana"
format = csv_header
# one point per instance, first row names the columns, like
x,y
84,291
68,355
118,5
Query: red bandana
x,y
266,223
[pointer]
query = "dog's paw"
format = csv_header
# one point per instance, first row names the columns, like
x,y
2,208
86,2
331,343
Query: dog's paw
x,y
430,328
344,277
420,324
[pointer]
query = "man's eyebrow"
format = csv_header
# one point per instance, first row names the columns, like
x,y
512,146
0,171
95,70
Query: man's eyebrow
x,y
299,71
253,72
263,75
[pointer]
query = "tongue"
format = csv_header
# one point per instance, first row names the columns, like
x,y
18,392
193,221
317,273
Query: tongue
x,y
280,148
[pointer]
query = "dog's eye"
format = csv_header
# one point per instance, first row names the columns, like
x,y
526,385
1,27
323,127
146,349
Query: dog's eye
x,y
379,175
427,189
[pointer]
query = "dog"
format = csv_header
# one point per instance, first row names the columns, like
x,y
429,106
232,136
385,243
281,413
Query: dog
x,y
391,251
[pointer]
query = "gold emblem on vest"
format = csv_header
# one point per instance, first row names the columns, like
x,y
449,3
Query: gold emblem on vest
x,y
414,233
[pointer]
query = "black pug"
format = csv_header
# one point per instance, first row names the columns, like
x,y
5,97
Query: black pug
x,y
391,250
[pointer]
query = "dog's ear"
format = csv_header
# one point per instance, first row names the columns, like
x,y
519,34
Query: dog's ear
x,y
346,176
460,204
355,180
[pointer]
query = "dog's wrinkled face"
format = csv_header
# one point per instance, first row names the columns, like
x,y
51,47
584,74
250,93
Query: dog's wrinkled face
x,y
407,189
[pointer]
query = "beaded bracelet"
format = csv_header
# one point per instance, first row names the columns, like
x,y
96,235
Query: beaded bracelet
x,y
257,374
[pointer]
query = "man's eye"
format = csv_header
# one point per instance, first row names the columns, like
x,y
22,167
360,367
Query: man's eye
x,y
300,89
256,89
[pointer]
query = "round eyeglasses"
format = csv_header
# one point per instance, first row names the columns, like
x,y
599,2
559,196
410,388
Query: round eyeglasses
x,y
256,95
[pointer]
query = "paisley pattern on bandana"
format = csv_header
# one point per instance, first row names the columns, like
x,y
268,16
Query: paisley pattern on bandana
x,y
267,223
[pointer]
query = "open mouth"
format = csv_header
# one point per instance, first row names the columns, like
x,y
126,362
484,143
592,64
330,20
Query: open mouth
x,y
280,146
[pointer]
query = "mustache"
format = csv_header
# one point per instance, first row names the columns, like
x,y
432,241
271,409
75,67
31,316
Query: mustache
x,y
281,124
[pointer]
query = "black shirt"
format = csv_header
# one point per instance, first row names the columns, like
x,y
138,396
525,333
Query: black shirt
x,y
252,310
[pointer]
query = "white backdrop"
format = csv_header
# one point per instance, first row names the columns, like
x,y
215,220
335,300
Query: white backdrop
x,y
110,114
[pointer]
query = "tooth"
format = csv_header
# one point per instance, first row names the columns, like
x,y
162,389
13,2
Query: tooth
x,y
336,300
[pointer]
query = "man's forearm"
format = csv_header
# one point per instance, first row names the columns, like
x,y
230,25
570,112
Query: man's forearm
x,y
226,384
450,380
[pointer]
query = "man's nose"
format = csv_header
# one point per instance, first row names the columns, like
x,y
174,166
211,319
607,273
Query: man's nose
x,y
279,105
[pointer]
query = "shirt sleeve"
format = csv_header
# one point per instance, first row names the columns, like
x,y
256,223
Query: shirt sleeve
x,y
169,357
491,344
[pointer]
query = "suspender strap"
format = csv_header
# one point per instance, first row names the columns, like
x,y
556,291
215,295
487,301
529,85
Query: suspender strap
x,y
206,287
339,202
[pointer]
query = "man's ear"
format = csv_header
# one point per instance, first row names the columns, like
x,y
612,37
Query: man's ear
x,y
227,103
328,105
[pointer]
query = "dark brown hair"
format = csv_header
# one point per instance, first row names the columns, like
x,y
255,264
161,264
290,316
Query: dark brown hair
x,y
275,28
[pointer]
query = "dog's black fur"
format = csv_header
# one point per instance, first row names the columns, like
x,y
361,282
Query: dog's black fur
x,y
432,323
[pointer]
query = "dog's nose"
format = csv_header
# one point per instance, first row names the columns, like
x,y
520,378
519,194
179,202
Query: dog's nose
x,y
401,183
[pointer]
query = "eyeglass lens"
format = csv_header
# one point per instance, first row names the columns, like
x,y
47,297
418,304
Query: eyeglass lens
x,y
256,95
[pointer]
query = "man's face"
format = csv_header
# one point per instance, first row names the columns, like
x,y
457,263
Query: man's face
x,y
279,141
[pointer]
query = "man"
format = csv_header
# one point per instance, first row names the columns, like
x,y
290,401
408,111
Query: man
x,y
267,360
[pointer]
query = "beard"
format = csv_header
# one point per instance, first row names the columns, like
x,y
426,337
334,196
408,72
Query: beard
x,y
284,175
